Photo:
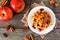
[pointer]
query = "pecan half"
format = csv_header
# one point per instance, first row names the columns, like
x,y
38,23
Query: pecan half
x,y
5,35
57,4
7,27
12,29
51,2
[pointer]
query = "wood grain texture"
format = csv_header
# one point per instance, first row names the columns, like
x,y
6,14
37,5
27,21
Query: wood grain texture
x,y
19,34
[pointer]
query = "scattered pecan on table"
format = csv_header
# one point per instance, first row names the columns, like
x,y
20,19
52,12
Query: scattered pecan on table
x,y
4,35
57,4
9,27
12,29
51,1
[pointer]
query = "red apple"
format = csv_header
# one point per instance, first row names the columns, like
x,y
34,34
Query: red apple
x,y
5,14
17,5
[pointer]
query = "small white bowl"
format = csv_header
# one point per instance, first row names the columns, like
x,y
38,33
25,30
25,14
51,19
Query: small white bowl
x,y
47,30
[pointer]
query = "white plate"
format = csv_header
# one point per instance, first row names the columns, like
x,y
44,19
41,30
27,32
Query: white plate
x,y
50,28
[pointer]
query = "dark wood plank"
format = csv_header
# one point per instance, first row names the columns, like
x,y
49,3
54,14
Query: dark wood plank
x,y
19,35
58,20
55,9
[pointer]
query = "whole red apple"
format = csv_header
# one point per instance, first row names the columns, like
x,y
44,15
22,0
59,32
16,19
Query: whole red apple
x,y
17,5
5,14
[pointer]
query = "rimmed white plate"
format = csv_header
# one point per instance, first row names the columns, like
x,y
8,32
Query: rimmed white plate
x,y
47,30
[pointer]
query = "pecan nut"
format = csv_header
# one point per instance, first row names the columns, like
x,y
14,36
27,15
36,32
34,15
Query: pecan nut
x,y
7,27
51,1
12,29
57,4
5,35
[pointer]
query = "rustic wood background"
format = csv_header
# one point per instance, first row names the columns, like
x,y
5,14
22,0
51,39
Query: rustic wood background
x,y
19,34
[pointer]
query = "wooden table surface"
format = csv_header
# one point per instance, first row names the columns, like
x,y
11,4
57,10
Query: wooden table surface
x,y
19,34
